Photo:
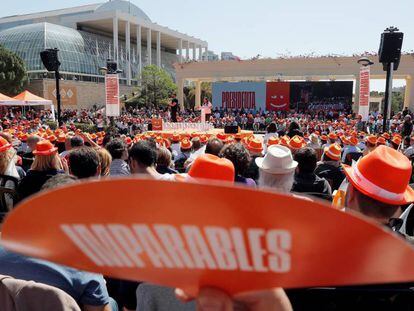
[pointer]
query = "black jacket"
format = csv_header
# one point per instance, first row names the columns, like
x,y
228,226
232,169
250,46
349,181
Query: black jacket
x,y
312,185
33,182
334,174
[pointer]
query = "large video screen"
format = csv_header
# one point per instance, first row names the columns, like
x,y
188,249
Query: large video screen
x,y
321,95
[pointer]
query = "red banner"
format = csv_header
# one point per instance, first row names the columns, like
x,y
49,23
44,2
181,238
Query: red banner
x,y
189,235
277,96
112,95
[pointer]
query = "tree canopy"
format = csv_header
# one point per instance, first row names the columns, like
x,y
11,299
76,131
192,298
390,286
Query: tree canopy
x,y
13,74
155,89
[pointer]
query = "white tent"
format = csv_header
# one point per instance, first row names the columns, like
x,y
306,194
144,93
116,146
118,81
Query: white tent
x,y
28,99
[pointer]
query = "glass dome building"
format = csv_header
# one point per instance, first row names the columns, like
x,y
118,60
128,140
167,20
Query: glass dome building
x,y
88,35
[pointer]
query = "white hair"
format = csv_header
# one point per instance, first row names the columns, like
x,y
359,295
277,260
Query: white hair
x,y
278,182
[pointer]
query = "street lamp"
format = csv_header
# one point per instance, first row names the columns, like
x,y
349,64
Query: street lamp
x,y
365,61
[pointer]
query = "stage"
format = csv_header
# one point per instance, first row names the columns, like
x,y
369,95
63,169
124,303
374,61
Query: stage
x,y
188,132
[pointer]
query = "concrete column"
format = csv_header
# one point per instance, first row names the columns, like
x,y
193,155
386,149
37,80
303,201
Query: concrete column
x,y
355,107
115,35
409,93
139,48
159,49
200,53
187,51
206,51
180,93
128,51
180,50
194,52
197,95
149,48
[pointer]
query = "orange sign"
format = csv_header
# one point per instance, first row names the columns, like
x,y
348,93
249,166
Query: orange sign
x,y
190,235
156,124
68,95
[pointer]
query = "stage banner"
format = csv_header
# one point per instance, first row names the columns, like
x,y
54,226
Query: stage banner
x,y
364,76
239,95
112,95
190,235
156,124
277,96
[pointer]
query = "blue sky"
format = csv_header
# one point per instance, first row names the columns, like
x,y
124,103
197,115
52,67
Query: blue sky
x,y
269,27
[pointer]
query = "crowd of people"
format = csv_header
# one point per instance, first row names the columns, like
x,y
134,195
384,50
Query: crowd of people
x,y
302,154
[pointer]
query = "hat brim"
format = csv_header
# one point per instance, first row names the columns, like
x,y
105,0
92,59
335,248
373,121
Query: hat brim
x,y
284,170
5,147
408,193
46,152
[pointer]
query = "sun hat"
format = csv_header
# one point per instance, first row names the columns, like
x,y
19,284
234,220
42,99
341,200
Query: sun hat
x,y
208,166
4,144
186,144
384,175
396,140
273,141
372,139
44,147
175,138
255,145
297,142
203,139
386,136
278,160
381,141
61,138
334,152
332,135
221,136
353,141
324,138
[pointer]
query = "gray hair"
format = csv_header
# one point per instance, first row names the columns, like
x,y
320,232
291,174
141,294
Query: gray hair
x,y
277,182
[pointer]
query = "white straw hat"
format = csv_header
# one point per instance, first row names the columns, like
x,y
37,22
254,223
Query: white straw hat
x,y
278,160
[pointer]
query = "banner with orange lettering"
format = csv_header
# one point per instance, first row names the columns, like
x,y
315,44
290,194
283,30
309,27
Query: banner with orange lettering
x,y
190,235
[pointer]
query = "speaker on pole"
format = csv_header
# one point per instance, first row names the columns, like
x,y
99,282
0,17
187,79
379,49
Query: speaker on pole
x,y
50,60
390,47
389,55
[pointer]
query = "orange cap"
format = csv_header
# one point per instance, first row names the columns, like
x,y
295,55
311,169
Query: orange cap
x,y
4,144
383,175
396,140
332,135
222,136
297,142
372,139
353,141
186,144
44,147
381,141
273,141
255,145
333,152
208,166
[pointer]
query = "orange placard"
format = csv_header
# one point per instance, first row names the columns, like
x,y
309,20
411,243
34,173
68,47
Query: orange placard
x,y
156,124
190,235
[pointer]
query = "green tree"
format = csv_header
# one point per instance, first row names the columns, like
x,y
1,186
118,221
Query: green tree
x,y
155,89
13,74
397,101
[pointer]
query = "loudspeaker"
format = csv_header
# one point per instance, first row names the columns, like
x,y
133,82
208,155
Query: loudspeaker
x,y
390,48
50,59
111,66
231,129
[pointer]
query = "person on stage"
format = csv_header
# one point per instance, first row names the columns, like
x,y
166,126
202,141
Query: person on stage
x,y
207,105
174,108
